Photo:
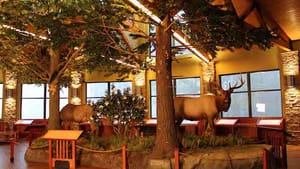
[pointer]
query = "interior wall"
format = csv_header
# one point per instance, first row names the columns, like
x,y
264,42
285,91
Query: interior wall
x,y
256,59
228,62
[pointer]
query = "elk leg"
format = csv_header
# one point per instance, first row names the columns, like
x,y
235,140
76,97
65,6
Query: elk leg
x,y
211,125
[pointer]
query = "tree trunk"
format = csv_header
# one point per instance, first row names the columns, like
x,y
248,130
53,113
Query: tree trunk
x,y
166,139
54,120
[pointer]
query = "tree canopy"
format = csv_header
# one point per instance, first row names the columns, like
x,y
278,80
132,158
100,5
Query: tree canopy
x,y
211,27
84,35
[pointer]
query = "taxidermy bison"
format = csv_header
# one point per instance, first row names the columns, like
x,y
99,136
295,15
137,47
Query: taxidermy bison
x,y
75,114
204,107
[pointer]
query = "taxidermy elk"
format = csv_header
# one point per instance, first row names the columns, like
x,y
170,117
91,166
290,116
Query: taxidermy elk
x,y
204,107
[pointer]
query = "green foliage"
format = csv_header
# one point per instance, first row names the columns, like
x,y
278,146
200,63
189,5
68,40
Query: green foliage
x,y
125,109
211,27
82,34
39,143
194,142
139,144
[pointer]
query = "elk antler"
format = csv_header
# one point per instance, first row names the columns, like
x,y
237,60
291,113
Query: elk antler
x,y
236,86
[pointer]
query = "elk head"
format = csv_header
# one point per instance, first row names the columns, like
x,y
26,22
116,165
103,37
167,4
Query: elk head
x,y
224,96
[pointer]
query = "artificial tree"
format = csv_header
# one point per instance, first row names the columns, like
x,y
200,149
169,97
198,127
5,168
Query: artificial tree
x,y
209,28
43,41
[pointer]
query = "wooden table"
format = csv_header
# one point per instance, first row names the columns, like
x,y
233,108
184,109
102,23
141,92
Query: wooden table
x,y
61,140
21,126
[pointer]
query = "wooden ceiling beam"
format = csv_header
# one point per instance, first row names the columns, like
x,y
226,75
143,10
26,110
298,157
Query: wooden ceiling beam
x,y
254,16
282,39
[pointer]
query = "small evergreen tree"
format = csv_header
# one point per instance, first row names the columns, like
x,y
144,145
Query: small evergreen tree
x,y
123,110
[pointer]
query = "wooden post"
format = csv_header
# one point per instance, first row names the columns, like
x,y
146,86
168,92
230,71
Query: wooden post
x,y
12,149
124,158
265,158
176,158
50,153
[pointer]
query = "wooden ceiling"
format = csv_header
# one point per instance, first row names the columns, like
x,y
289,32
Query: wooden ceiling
x,y
280,16
286,14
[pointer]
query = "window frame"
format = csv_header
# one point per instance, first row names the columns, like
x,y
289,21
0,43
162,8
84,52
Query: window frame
x,y
250,92
45,98
174,92
109,86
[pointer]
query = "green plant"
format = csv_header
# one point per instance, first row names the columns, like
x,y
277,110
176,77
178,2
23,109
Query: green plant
x,y
137,144
39,143
193,141
123,110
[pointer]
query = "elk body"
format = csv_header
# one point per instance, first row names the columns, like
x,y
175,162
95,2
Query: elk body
x,y
71,114
204,107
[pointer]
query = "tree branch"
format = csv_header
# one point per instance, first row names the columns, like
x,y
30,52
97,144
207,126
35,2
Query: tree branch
x,y
61,69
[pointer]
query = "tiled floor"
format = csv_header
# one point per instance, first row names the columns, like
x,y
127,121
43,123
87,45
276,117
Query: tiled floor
x,y
293,153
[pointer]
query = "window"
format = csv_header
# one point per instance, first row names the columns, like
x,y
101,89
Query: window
x,y
152,48
183,86
1,99
153,113
187,86
180,49
35,101
63,97
98,90
260,96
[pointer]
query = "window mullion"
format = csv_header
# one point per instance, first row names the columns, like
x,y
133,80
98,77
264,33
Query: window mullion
x,y
249,95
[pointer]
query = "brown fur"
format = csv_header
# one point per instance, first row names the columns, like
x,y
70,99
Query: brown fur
x,y
72,114
204,107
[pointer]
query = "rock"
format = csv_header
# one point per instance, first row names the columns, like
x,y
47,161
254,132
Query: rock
x,y
36,155
159,164
237,157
